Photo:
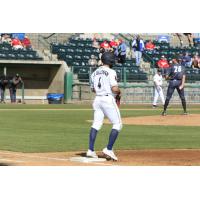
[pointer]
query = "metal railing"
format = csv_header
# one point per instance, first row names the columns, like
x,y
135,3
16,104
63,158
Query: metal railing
x,y
125,75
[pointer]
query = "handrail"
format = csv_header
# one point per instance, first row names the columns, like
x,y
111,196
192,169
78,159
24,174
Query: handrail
x,y
124,37
151,59
48,36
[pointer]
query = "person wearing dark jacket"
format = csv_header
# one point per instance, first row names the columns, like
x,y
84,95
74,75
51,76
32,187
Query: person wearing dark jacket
x,y
3,83
13,87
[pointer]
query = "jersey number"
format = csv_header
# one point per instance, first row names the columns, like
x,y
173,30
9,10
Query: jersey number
x,y
177,69
99,83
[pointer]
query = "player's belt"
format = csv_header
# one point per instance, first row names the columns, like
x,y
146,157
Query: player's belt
x,y
102,95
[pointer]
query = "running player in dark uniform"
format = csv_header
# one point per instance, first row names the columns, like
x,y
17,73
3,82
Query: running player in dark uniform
x,y
176,76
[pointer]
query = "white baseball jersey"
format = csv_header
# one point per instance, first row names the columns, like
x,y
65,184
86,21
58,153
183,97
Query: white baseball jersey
x,y
158,79
102,80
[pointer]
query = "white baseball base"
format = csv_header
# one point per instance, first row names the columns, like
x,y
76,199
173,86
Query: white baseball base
x,y
86,160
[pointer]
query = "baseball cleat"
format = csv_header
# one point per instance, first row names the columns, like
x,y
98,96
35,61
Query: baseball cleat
x,y
154,106
91,154
164,113
110,154
185,113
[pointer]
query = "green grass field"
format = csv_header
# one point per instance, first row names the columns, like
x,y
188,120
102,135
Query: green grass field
x,y
45,128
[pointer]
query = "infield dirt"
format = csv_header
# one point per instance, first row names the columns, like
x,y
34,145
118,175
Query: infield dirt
x,y
168,120
165,157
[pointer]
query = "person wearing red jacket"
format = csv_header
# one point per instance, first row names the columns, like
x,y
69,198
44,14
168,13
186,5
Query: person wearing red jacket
x,y
163,63
16,43
26,43
150,45
105,45
113,44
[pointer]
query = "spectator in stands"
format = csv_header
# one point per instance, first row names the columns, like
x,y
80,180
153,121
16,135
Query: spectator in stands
x,y
6,38
113,45
121,51
104,46
196,61
92,61
3,83
186,60
95,44
16,80
163,64
138,47
26,43
16,43
150,46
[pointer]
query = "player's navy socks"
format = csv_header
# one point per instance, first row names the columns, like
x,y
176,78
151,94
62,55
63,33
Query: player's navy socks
x,y
113,136
93,134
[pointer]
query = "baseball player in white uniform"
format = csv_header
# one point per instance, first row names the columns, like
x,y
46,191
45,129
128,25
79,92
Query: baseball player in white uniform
x,y
158,91
104,84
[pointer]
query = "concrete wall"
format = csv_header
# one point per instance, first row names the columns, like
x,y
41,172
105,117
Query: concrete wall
x,y
57,37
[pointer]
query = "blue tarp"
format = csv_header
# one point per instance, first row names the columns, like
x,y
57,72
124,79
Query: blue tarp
x,y
19,35
54,96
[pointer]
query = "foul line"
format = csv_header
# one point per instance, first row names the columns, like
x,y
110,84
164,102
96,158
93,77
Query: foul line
x,y
32,156
9,160
43,157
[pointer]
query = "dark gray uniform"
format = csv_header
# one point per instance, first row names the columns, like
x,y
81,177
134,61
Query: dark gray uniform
x,y
13,87
175,74
3,83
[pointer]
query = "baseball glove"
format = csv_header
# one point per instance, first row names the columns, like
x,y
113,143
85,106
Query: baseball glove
x,y
117,99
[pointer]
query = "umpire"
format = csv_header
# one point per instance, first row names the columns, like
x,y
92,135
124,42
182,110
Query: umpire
x,y
176,76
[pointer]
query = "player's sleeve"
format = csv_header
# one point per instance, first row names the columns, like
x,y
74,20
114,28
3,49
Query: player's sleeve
x,y
113,78
92,81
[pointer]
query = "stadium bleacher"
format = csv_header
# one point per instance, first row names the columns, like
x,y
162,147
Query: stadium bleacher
x,y
78,51
8,53
164,48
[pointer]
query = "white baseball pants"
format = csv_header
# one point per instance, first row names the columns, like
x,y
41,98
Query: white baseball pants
x,y
106,106
158,91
